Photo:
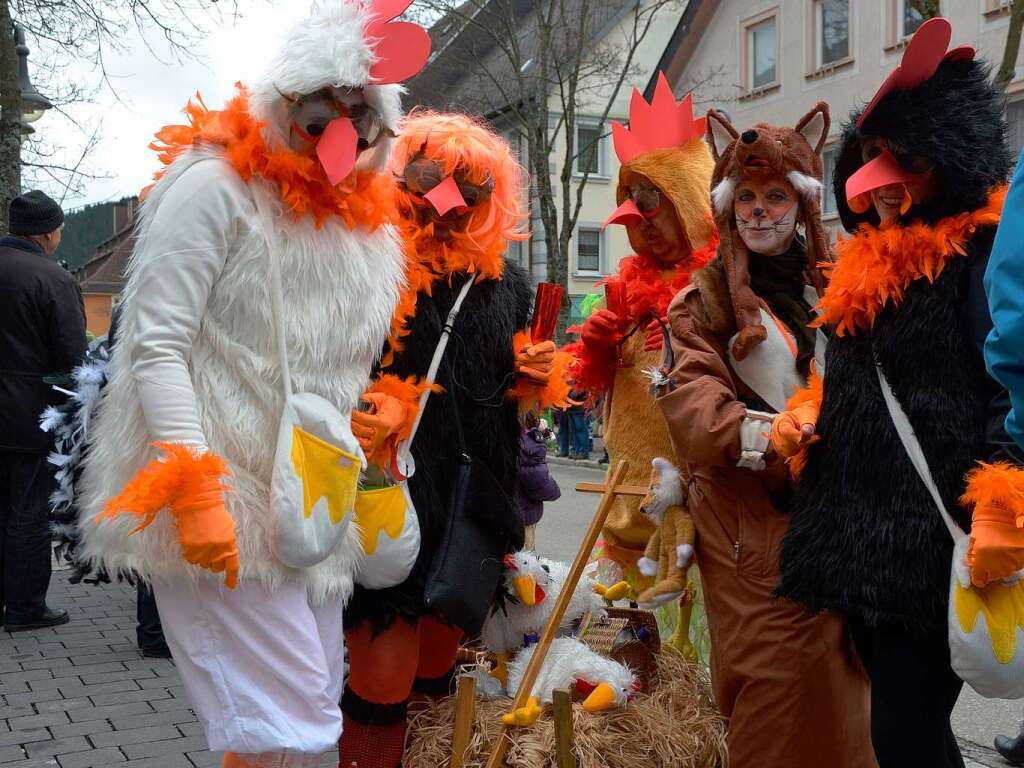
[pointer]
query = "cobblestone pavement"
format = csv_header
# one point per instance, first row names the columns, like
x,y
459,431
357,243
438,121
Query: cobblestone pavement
x,y
81,696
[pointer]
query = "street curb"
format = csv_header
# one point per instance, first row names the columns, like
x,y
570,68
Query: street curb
x,y
586,463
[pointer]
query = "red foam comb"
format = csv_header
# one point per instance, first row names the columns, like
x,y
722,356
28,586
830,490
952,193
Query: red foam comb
x,y
545,312
400,47
510,562
926,50
661,124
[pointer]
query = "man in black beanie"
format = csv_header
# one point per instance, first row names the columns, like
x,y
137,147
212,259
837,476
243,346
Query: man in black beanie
x,y
42,333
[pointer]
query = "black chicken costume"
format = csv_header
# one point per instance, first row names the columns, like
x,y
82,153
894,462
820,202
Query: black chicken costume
x,y
866,540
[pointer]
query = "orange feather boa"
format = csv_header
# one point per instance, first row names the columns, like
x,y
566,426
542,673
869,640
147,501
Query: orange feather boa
x,y
361,200
877,264
650,288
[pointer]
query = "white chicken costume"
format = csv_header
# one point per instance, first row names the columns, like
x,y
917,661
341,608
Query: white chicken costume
x,y
198,373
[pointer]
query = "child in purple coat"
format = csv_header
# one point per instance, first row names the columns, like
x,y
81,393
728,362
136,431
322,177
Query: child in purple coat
x,y
534,485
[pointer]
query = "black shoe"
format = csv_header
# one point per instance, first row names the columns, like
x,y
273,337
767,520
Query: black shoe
x,y
50,617
563,455
1011,748
160,651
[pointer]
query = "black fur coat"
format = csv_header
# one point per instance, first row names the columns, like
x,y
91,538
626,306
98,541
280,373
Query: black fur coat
x,y
478,367
865,537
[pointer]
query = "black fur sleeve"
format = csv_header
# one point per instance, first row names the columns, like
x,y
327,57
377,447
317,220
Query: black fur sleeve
x,y
977,322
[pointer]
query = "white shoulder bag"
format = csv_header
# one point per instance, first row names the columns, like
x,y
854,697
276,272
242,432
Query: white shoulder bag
x,y
986,647
317,461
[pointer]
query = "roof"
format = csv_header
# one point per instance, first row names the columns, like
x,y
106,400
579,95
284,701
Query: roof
x,y
104,273
469,73
683,43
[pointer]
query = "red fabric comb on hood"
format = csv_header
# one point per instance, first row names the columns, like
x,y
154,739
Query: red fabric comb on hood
x,y
926,50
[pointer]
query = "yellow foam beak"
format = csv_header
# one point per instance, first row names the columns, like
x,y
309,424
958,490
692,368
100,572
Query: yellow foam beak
x,y
526,589
616,591
600,699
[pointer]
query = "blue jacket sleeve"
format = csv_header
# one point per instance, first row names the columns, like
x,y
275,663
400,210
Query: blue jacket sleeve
x,y
1004,286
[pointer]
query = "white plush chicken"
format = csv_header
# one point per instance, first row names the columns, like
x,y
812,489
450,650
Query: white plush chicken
x,y
607,684
531,587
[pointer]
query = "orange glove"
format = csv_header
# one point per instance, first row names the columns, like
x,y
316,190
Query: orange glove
x,y
372,429
205,529
792,430
536,361
191,484
996,548
601,329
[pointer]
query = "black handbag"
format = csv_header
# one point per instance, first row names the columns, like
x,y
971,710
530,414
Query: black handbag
x,y
483,525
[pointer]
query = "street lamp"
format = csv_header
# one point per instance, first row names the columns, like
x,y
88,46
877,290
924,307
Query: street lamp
x,y
33,104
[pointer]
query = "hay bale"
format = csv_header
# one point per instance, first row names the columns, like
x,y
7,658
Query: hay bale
x,y
676,725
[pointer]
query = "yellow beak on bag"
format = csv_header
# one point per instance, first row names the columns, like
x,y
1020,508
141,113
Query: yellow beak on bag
x,y
327,472
526,589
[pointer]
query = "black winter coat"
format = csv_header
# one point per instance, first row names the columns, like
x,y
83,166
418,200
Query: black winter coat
x,y
865,537
479,366
42,333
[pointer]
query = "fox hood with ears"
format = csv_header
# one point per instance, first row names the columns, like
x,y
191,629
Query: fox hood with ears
x,y
329,48
766,151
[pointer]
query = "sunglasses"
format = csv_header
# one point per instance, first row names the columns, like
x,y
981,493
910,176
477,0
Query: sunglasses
x,y
647,200
422,175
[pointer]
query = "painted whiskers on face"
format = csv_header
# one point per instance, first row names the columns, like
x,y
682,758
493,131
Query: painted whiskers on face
x,y
782,225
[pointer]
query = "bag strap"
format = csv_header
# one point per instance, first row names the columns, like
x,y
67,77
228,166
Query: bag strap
x,y
406,464
915,453
276,290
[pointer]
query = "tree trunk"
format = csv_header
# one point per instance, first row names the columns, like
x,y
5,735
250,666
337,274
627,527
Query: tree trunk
x,y
1009,64
10,116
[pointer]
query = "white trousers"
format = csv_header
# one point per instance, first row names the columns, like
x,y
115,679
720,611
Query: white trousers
x,y
263,669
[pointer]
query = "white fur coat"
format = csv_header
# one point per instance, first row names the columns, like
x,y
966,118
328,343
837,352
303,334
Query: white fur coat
x,y
196,359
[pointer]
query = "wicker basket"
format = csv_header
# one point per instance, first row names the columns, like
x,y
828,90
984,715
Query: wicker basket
x,y
628,636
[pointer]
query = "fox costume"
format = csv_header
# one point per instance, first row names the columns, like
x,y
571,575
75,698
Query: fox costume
x,y
789,683
669,551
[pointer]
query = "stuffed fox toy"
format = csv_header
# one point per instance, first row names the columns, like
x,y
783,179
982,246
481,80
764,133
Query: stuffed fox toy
x,y
670,549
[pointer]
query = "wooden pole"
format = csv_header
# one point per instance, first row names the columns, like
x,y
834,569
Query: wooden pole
x,y
500,749
465,714
562,705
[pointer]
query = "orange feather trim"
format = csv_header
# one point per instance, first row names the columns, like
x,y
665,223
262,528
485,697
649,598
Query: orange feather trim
x,y
361,200
160,482
876,264
999,486
806,399
408,391
650,289
554,393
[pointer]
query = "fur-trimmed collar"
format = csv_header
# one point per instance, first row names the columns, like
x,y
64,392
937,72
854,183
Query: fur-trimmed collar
x,y
361,200
877,264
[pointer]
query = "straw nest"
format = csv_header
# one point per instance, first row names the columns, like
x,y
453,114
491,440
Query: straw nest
x,y
675,725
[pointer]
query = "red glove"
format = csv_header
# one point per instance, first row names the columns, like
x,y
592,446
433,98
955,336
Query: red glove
x,y
601,329
655,340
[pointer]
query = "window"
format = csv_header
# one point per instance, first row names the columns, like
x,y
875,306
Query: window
x,y
760,52
589,148
832,31
828,194
910,14
589,246
515,252
1000,7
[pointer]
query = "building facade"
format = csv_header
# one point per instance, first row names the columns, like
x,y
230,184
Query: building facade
x,y
102,276
772,60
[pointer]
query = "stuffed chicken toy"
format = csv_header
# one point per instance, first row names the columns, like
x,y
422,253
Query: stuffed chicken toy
x,y
530,589
670,549
605,684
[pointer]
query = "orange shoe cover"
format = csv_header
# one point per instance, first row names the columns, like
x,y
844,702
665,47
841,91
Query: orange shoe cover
x,y
371,746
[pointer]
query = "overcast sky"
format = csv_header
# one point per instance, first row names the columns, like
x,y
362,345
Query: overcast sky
x,y
151,94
